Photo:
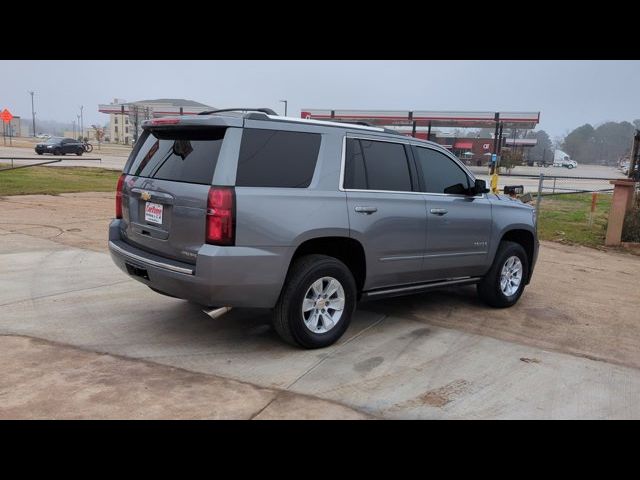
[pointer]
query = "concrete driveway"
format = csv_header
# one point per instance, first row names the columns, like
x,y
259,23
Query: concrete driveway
x,y
569,349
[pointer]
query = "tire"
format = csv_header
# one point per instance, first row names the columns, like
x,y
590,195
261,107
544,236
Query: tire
x,y
80,152
489,288
57,152
288,316
39,153
88,147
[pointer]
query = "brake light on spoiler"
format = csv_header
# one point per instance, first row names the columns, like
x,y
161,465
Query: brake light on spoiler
x,y
164,121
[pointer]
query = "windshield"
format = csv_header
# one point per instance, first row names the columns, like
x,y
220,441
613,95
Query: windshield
x,y
53,140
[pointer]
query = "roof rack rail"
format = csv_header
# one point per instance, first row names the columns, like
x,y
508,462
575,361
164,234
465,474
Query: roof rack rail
x,y
268,111
356,122
368,124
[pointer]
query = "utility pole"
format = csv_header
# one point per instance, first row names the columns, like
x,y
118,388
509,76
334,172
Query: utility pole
x,y
33,113
122,124
78,117
285,107
81,122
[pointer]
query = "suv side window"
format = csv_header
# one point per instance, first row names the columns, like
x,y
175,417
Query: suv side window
x,y
440,173
376,165
277,158
355,176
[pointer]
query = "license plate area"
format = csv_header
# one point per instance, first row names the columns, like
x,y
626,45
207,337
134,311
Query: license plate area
x,y
153,213
137,271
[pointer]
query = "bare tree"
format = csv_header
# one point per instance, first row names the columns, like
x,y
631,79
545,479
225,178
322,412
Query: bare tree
x,y
99,133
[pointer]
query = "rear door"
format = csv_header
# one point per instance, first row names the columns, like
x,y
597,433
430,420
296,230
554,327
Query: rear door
x,y
385,214
458,224
165,195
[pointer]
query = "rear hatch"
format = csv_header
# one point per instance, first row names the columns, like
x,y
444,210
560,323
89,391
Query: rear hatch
x,y
164,196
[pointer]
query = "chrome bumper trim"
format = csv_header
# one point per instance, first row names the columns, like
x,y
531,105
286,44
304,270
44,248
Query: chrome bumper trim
x,y
133,256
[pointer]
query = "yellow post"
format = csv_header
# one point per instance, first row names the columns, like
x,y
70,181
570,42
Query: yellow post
x,y
494,182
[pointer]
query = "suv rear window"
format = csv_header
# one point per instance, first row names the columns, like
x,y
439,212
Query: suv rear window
x,y
182,155
277,158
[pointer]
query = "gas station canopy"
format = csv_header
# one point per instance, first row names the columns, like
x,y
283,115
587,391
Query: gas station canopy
x,y
523,120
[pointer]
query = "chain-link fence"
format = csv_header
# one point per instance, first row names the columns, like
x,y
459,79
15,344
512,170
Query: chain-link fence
x,y
570,209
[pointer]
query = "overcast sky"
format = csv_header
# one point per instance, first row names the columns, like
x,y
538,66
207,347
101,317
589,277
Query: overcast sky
x,y
567,93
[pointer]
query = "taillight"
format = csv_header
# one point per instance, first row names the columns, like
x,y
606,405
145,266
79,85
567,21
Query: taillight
x,y
119,196
221,216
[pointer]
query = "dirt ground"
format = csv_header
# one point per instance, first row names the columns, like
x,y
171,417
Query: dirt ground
x,y
582,301
76,219
45,380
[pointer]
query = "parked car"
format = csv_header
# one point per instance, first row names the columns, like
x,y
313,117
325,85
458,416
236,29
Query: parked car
x,y
60,146
304,217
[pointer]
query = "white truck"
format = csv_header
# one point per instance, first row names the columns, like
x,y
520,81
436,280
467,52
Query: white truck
x,y
562,159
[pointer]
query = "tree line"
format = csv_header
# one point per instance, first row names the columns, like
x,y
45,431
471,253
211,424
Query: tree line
x,y
605,144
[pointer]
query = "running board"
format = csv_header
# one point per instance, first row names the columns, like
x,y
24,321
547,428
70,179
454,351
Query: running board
x,y
423,287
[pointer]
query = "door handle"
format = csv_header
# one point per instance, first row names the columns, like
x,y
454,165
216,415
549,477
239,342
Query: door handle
x,y
366,210
439,211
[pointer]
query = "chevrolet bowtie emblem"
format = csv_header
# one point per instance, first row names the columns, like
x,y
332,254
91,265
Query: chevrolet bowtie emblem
x,y
145,195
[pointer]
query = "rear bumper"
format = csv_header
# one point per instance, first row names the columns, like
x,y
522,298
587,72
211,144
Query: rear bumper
x,y
222,276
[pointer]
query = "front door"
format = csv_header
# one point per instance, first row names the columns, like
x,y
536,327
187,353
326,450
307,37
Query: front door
x,y
458,223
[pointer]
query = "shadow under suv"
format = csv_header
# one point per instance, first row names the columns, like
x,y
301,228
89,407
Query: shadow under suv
x,y
247,209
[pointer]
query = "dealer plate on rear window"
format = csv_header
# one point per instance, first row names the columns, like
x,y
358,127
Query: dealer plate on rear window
x,y
153,212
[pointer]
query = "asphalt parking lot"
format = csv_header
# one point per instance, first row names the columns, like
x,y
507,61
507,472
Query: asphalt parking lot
x,y
79,339
110,158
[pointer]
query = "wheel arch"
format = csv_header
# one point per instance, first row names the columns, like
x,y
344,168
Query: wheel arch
x,y
526,239
346,249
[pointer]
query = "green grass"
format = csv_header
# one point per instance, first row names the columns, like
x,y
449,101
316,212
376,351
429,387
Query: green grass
x,y
55,180
565,218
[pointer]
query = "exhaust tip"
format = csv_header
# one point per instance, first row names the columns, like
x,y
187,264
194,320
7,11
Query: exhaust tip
x,y
216,312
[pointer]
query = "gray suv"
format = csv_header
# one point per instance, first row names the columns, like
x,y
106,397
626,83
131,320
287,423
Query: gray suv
x,y
242,208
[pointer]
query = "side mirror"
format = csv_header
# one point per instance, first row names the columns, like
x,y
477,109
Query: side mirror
x,y
480,187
